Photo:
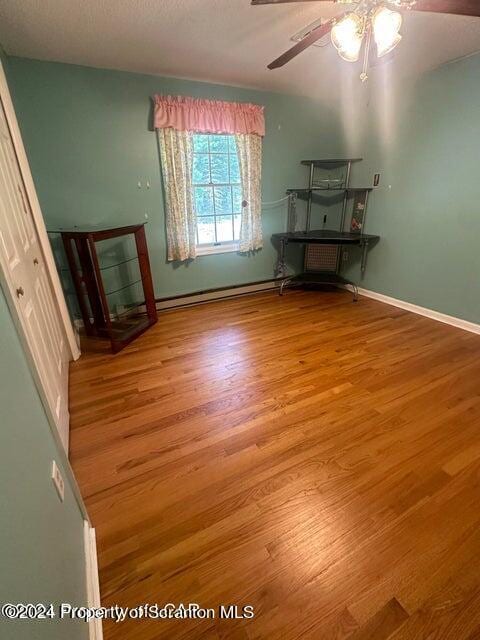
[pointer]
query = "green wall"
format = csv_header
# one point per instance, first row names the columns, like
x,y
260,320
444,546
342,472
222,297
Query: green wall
x,y
41,539
89,140
424,138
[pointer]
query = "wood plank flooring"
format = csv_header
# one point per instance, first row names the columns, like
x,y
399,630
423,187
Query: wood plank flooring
x,y
316,459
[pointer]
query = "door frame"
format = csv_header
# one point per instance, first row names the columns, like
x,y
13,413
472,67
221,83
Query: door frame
x,y
38,220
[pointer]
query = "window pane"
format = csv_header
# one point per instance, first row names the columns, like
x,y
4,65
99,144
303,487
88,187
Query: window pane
x,y
224,229
203,200
223,200
237,199
232,144
219,144
234,169
219,168
236,225
200,142
206,230
218,207
201,168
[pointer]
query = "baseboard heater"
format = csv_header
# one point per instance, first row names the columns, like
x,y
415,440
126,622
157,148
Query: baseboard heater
x,y
208,295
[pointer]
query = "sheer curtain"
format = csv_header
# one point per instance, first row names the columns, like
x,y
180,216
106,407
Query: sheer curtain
x,y
176,153
249,147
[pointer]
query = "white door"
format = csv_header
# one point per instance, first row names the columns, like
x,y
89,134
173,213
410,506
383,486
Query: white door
x,y
24,270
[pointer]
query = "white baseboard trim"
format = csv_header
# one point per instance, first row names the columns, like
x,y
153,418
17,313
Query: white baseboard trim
x,y
95,629
209,296
422,311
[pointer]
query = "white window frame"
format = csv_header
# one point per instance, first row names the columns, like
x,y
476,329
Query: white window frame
x,y
212,249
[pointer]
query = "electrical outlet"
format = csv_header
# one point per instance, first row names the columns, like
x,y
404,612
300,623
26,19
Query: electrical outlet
x,y
58,481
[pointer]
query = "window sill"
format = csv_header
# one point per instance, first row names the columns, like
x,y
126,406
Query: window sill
x,y
212,250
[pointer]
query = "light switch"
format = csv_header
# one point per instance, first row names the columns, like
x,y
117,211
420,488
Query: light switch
x,y
58,481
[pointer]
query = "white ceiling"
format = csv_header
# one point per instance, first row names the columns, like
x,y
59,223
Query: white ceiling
x,y
222,41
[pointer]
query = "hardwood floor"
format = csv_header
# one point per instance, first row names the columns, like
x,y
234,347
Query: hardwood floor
x,y
316,459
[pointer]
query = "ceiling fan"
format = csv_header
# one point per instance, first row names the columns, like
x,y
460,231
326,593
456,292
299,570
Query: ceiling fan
x,y
377,19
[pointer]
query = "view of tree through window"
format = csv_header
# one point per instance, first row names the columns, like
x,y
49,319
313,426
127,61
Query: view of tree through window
x,y
217,191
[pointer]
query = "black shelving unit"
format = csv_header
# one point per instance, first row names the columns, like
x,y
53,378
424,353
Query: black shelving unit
x,y
322,264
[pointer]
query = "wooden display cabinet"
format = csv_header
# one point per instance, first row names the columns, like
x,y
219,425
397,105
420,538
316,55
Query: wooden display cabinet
x,y
93,294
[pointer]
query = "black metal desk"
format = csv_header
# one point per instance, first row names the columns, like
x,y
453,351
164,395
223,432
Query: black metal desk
x,y
327,237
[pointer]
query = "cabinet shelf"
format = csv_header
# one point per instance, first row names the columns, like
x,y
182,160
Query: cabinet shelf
x,y
330,161
318,194
323,189
125,286
118,264
320,278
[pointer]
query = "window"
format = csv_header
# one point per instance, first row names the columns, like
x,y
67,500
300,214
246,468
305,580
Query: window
x,y
217,192
211,192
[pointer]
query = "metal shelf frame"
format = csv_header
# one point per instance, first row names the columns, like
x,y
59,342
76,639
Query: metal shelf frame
x,y
311,194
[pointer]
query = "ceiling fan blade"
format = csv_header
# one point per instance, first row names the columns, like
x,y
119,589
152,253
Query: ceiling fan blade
x,y
459,7
307,41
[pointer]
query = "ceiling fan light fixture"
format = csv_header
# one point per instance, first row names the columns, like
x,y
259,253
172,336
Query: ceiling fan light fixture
x,y
351,54
347,36
386,30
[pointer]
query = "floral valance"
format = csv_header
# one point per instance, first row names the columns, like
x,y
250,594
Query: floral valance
x,y
208,116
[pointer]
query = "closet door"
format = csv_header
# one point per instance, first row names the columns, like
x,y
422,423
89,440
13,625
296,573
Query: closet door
x,y
24,271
